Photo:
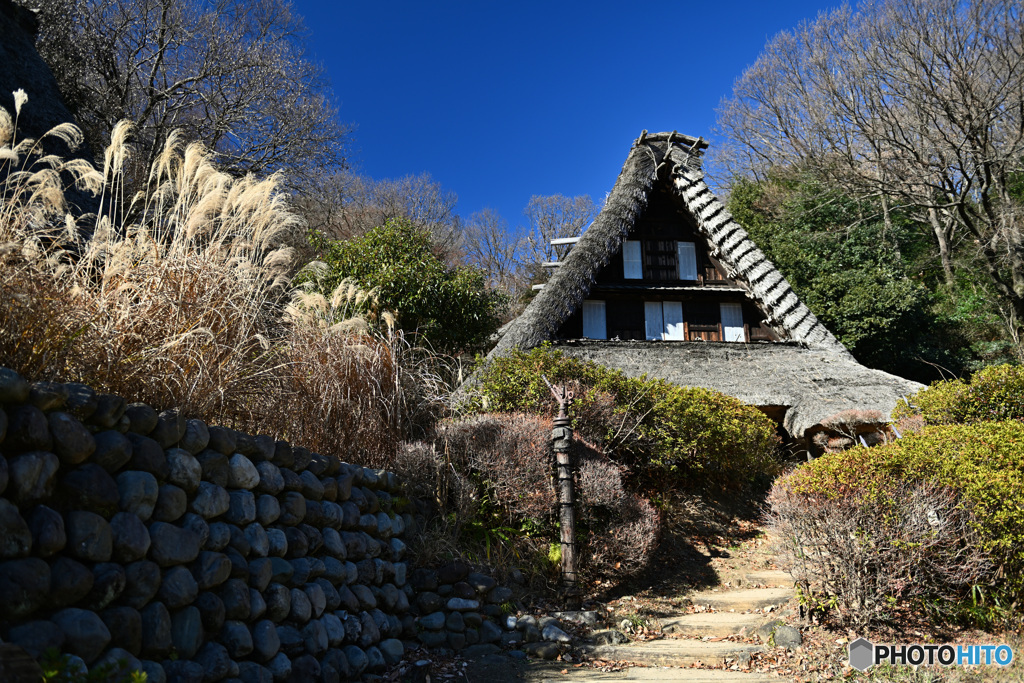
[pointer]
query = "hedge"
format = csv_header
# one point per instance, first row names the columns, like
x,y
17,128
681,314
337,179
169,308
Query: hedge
x,y
983,463
650,425
992,394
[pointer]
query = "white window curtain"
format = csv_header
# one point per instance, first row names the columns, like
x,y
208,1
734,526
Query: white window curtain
x,y
631,261
686,253
653,319
594,324
672,312
664,320
732,323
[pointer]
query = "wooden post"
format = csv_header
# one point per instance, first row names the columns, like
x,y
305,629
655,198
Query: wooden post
x,y
561,437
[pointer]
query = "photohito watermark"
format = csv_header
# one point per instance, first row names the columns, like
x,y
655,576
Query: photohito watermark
x,y
864,654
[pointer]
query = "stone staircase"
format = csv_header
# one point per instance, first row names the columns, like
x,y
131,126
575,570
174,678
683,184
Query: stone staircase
x,y
697,638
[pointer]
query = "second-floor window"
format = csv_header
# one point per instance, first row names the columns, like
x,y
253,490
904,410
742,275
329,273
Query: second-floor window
x,y
631,260
687,258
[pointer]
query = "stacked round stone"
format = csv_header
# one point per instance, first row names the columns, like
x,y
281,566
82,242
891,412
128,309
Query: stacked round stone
x,y
148,541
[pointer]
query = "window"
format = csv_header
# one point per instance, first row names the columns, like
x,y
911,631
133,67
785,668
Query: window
x,y
633,266
594,325
664,320
732,323
672,311
687,256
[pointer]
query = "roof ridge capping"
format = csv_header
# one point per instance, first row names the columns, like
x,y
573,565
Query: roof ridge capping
x,y
696,144
674,147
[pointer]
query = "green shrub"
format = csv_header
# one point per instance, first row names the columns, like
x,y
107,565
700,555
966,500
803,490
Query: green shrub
x,y
992,394
449,306
983,464
650,425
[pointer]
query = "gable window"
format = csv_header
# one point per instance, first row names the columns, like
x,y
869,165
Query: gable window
x,y
687,257
594,321
664,320
632,263
732,323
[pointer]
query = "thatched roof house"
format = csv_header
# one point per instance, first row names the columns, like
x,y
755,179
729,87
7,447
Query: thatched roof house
x,y
666,283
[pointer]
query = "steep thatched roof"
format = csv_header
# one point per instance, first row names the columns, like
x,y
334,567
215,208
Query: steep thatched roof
x,y
803,381
671,159
803,385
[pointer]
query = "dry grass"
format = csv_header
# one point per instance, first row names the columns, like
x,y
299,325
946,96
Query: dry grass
x,y
181,296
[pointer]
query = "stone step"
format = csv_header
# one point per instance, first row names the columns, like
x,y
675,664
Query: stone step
x,y
666,674
677,653
744,599
711,624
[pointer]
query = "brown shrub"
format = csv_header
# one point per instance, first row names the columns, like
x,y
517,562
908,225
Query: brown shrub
x,y
910,424
510,454
510,458
626,543
451,499
866,554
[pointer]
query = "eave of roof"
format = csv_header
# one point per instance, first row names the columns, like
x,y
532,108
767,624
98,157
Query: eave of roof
x,y
812,384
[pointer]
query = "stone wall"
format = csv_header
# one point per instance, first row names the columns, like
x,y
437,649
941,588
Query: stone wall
x,y
195,552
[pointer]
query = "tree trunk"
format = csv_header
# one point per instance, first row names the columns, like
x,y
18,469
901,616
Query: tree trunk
x,y
941,233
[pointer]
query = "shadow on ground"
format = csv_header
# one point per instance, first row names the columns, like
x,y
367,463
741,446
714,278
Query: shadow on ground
x,y
697,527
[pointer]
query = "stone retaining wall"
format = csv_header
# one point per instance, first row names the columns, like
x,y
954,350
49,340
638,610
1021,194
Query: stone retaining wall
x,y
199,553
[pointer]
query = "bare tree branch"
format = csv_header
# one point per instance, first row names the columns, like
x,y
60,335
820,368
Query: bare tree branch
x,y
231,73
920,102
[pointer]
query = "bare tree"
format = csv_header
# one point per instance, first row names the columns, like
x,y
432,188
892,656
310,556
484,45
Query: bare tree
x,y
495,248
555,216
346,205
232,73
919,103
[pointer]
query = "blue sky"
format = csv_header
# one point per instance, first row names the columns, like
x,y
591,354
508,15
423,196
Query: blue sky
x,y
502,101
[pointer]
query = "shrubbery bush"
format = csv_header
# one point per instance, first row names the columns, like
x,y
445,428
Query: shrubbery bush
x,y
497,472
992,394
649,425
978,468
864,554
